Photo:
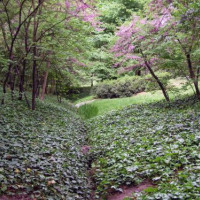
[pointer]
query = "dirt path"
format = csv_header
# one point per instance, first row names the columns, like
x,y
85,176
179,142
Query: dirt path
x,y
128,191
78,105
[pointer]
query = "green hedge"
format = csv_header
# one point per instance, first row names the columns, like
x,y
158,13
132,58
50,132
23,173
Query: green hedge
x,y
129,85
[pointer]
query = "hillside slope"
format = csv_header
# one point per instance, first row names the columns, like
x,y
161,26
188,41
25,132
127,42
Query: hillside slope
x,y
156,142
40,153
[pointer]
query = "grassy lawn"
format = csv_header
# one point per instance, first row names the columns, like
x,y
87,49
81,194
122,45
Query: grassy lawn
x,y
106,105
87,98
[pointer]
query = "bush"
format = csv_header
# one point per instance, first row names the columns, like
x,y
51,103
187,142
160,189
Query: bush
x,y
152,85
129,85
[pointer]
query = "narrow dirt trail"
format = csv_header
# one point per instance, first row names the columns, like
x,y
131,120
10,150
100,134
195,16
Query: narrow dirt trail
x,y
128,191
78,105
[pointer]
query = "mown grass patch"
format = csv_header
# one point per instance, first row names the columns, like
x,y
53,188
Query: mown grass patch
x,y
157,141
40,152
88,111
106,105
87,98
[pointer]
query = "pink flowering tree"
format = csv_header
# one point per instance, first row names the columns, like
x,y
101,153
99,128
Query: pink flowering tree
x,y
184,34
138,40
83,10
180,38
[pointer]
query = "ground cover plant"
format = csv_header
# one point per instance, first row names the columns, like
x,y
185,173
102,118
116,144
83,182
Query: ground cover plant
x,y
51,50
158,142
40,152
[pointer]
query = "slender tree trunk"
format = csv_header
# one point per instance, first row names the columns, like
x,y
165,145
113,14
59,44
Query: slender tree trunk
x,y
34,81
92,80
158,81
5,83
34,68
58,93
52,89
138,72
155,77
193,76
37,84
21,81
12,83
45,81
198,73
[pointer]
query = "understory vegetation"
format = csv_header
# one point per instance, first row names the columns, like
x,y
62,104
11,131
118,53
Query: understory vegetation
x,y
42,157
129,85
41,152
158,141
99,97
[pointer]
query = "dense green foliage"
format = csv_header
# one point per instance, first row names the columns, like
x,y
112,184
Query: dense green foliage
x,y
129,85
76,93
155,141
118,48
41,153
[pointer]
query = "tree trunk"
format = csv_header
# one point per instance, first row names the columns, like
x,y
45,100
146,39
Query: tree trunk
x,y
37,84
34,86
5,83
92,80
158,81
34,67
138,72
193,76
45,82
12,83
21,81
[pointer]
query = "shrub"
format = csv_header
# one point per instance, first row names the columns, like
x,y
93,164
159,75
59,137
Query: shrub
x,y
152,85
128,85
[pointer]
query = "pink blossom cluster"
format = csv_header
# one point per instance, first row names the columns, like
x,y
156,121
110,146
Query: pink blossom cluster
x,y
84,11
140,32
76,62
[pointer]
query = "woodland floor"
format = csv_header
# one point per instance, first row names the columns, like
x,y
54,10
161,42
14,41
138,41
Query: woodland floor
x,y
129,190
51,152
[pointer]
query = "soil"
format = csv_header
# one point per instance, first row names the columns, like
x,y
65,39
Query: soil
x,y
85,149
91,174
128,191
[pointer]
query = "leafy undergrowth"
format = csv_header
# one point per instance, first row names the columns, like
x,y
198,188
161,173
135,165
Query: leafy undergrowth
x,y
40,152
158,142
